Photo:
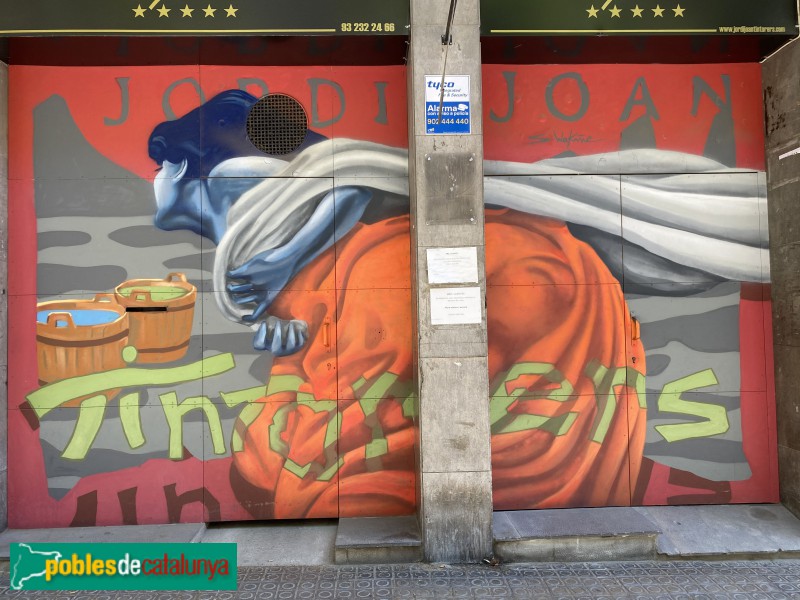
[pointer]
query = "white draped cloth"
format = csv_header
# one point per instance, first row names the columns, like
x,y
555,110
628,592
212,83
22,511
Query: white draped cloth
x,y
674,205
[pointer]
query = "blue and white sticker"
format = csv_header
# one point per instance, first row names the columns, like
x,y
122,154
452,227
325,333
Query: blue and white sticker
x,y
455,116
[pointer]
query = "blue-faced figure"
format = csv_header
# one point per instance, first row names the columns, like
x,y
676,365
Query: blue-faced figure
x,y
207,163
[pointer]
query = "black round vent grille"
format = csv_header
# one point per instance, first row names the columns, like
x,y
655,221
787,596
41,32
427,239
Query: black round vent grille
x,y
277,124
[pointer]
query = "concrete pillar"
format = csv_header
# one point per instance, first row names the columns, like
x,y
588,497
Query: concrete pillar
x,y
3,294
446,189
782,109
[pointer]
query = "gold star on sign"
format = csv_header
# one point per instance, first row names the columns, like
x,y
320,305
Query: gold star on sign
x,y
138,11
187,12
678,11
637,12
231,12
592,12
163,11
658,11
615,12
209,11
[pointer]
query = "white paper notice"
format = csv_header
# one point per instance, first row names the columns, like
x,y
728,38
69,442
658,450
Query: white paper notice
x,y
455,306
453,265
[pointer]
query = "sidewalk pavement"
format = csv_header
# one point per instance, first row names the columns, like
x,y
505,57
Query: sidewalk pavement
x,y
668,580
666,553
730,532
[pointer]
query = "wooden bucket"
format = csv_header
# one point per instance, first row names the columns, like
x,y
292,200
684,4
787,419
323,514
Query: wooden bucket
x,y
160,313
80,337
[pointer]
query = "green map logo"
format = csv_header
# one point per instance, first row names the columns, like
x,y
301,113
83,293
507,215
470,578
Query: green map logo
x,y
122,567
28,564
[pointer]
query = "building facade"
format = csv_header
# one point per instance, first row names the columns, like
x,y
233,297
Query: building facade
x,y
319,277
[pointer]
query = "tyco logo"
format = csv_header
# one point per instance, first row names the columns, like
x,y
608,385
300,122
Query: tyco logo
x,y
123,566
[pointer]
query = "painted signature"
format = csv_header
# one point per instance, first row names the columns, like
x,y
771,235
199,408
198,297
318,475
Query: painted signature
x,y
563,138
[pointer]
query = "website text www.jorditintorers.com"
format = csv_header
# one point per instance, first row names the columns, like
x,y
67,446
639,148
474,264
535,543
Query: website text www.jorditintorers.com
x,y
752,29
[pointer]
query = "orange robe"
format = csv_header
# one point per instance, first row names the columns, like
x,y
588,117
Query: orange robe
x,y
336,436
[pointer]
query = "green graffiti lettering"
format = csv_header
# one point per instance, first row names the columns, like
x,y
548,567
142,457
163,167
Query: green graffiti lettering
x,y
296,469
280,421
331,471
92,406
502,399
131,420
90,418
716,417
248,414
410,406
556,425
605,382
378,445
333,462
175,412
55,394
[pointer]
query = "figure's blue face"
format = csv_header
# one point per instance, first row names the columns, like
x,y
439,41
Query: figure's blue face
x,y
179,202
188,149
191,149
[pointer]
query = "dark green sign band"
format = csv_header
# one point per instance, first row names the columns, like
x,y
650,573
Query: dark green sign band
x,y
638,17
208,17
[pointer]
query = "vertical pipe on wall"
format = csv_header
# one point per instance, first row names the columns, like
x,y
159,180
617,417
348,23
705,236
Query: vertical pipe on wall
x,y
446,187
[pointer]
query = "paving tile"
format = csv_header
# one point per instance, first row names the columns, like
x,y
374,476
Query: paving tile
x,y
668,580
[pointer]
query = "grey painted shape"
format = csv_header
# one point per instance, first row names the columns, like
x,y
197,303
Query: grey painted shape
x,y
682,336
62,279
721,140
714,331
91,263
179,533
63,474
649,308
146,236
643,272
93,198
720,458
62,152
657,363
696,531
639,134
182,263
685,361
692,333
278,542
63,239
